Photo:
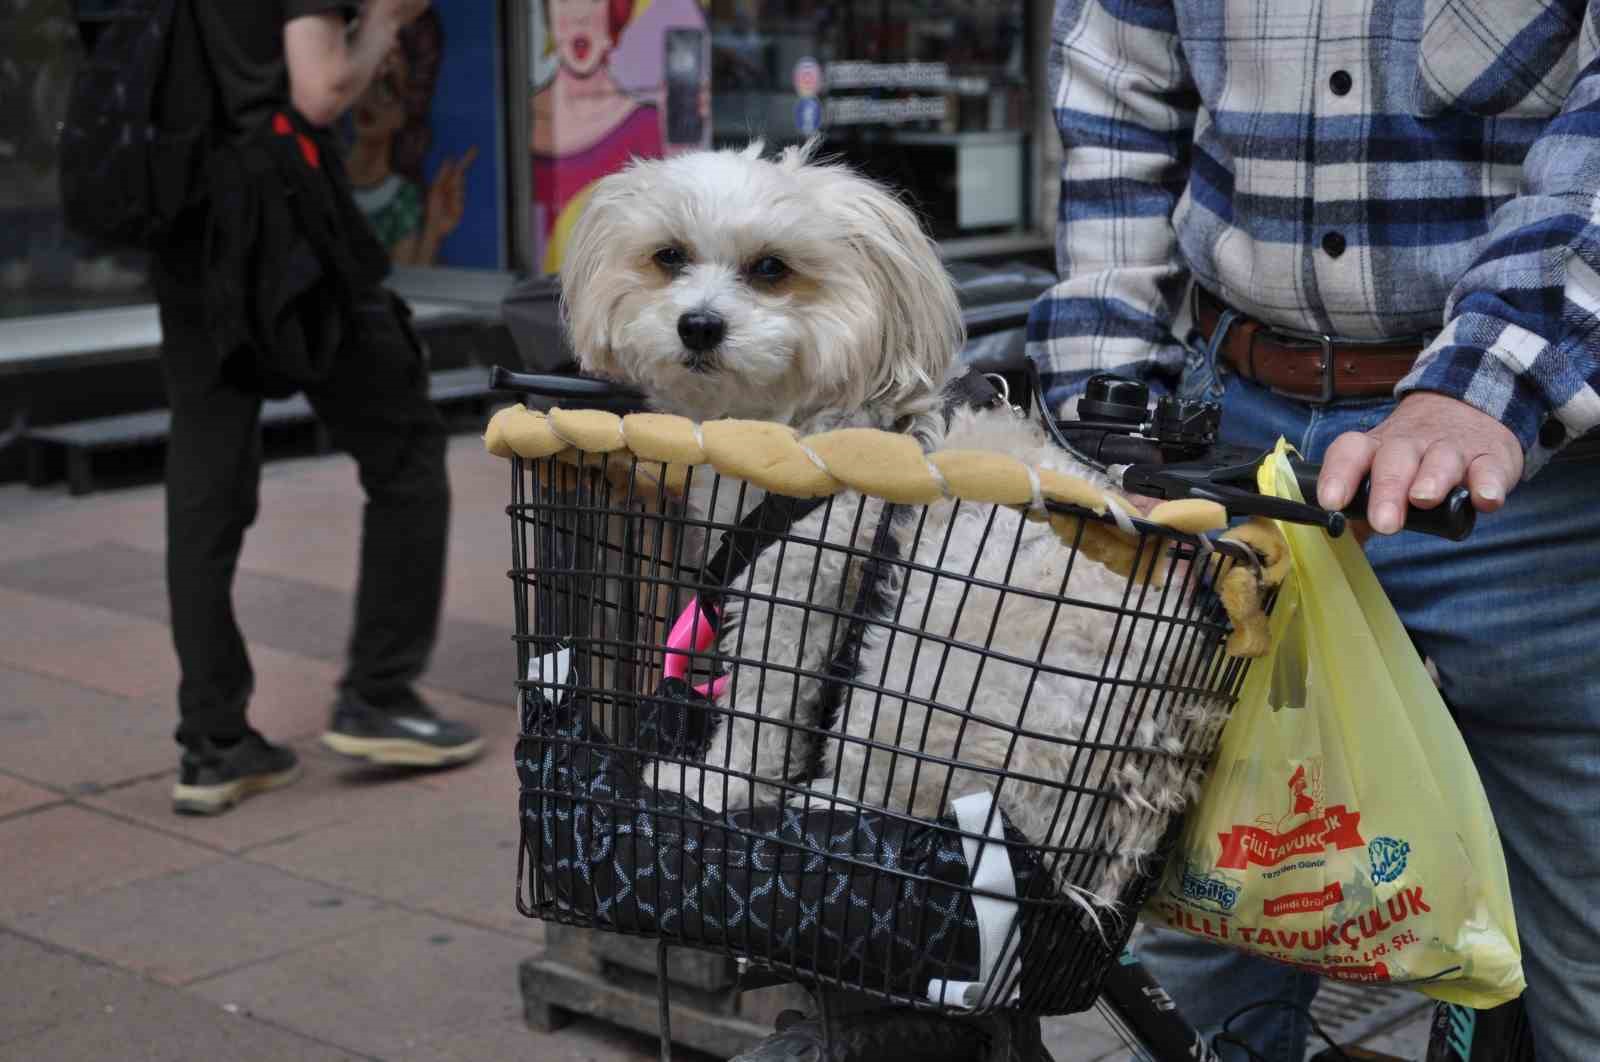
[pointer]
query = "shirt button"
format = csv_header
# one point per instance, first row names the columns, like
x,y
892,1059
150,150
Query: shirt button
x,y
1341,82
1333,243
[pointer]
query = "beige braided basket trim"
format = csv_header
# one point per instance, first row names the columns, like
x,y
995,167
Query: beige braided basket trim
x,y
893,467
1244,589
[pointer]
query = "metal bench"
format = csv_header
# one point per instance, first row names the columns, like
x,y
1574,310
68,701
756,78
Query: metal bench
x,y
81,440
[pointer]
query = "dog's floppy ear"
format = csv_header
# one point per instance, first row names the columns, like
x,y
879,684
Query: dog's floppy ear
x,y
590,273
922,327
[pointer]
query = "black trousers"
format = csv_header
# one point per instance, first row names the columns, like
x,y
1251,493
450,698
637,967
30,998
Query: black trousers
x,y
376,408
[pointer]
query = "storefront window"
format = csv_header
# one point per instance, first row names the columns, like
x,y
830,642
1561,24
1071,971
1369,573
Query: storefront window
x,y
44,268
426,154
425,141
932,96
610,80
929,95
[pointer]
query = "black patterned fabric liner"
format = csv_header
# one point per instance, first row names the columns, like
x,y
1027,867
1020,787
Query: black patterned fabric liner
x,y
876,900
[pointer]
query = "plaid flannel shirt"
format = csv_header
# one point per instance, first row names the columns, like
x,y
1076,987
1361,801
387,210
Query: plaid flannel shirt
x,y
1361,168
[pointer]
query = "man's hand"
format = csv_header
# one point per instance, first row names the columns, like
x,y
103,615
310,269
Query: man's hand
x,y
1430,444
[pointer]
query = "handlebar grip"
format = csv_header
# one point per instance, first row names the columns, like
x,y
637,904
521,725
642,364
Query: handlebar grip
x,y
1453,519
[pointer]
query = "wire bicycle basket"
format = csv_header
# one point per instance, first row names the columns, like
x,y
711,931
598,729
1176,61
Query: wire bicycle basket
x,y
665,613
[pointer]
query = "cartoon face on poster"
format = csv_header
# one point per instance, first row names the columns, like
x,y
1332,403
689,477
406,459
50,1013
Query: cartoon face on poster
x,y
612,80
417,137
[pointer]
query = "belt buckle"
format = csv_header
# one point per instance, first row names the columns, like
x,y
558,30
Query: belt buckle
x,y
1323,342
1326,342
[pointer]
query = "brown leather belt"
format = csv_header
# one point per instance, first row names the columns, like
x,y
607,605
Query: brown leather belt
x,y
1312,367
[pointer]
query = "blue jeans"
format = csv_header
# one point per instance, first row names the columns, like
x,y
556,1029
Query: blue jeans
x,y
1511,618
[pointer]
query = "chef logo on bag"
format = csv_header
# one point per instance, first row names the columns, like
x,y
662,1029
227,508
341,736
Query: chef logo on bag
x,y
1309,828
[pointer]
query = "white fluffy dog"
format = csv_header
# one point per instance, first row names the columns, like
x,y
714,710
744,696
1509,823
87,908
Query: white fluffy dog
x,y
725,284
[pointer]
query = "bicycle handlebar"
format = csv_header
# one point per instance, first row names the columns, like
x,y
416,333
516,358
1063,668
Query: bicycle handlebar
x,y
594,393
1175,454
1223,470
1217,472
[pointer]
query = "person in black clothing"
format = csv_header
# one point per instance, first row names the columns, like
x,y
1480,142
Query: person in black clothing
x,y
297,66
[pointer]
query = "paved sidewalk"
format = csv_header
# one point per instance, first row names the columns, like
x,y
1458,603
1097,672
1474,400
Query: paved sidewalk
x,y
357,914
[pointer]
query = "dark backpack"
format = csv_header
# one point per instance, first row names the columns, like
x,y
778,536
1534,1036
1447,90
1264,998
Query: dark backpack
x,y
139,123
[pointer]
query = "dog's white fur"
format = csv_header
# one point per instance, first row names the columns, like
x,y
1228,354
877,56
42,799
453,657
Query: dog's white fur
x,y
863,331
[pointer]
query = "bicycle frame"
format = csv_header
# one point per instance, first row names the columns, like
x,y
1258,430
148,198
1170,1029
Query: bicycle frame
x,y
1141,1009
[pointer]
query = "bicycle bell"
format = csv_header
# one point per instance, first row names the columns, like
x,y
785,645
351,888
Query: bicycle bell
x,y
1179,423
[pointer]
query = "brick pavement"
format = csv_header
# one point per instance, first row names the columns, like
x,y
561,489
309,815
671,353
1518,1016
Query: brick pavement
x,y
357,914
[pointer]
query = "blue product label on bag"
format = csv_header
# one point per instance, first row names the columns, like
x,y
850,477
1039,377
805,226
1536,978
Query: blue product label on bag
x,y
1388,859
1216,893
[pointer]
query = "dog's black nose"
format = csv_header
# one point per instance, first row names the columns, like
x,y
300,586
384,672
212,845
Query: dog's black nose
x,y
701,330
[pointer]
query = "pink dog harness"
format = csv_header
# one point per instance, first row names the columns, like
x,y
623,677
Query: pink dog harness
x,y
694,630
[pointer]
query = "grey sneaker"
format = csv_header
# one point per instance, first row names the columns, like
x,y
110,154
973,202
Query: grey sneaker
x,y
408,734
213,778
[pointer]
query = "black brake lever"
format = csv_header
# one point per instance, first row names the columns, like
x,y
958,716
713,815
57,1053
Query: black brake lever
x,y
1227,475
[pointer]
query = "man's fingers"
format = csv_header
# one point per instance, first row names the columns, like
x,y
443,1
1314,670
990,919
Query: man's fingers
x,y
1489,480
1427,446
1343,467
1393,470
1442,468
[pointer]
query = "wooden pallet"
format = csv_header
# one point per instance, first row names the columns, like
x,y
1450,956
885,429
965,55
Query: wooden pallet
x,y
613,978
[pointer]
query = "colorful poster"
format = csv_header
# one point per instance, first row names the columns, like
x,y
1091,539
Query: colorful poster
x,y
611,80
424,142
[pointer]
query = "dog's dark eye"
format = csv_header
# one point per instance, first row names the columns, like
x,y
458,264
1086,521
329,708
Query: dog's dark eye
x,y
671,259
769,269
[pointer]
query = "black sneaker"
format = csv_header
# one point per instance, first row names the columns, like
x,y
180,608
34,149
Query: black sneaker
x,y
406,734
213,778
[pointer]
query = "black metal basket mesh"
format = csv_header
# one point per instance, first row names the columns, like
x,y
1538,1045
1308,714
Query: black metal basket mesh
x,y
832,888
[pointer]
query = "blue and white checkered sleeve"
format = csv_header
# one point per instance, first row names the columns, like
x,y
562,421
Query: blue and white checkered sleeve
x,y
1522,329
1125,107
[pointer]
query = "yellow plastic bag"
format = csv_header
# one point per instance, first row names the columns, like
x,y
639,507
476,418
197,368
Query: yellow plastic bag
x,y
1343,827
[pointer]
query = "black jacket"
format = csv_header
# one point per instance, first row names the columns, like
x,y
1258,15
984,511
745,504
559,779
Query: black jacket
x,y
287,254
